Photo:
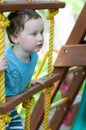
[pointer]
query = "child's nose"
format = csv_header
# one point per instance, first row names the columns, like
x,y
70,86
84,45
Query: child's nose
x,y
40,37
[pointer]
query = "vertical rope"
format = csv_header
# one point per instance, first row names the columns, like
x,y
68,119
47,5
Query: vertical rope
x,y
41,66
2,83
47,91
3,24
28,105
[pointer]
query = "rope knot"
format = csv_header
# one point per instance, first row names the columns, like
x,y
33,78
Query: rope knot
x,y
51,14
5,117
28,103
48,90
4,22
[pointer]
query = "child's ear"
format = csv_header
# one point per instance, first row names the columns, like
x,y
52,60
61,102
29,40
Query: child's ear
x,y
13,38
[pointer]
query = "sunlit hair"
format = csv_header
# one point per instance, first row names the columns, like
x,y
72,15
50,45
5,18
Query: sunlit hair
x,y
18,19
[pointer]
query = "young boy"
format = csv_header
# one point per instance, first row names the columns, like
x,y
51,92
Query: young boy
x,y
26,34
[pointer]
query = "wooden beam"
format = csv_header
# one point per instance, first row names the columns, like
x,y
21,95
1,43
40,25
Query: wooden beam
x,y
29,92
71,55
75,110
62,109
13,6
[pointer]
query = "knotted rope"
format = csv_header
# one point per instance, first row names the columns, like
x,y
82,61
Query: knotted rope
x,y
3,117
28,105
51,14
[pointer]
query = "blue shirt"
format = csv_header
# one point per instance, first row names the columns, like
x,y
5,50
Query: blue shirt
x,y
19,73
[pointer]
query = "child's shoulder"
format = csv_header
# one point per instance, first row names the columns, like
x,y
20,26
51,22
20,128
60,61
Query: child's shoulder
x,y
7,50
34,57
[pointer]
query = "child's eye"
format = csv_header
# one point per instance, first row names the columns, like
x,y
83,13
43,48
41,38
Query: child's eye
x,y
42,32
34,34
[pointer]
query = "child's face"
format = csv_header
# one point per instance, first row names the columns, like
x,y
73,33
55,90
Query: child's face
x,y
31,38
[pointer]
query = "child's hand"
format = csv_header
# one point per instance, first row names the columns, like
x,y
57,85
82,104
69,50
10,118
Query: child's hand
x,y
3,63
34,82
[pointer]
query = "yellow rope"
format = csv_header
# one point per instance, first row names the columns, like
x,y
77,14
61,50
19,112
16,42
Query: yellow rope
x,y
4,118
47,106
3,24
28,105
41,66
50,16
1,1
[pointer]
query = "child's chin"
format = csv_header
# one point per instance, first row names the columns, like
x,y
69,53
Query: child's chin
x,y
37,50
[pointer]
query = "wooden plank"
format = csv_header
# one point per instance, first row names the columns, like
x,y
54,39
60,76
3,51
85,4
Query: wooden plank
x,y
71,93
12,6
37,117
71,55
72,119
15,100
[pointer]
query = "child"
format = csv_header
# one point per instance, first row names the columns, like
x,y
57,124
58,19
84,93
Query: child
x,y
26,34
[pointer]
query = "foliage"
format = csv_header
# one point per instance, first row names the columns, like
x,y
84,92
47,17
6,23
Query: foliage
x,y
76,5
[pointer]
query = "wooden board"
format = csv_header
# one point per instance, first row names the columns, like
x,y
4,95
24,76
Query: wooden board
x,y
71,55
71,93
12,6
15,100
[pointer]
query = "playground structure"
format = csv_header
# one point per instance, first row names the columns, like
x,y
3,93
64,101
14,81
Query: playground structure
x,y
70,55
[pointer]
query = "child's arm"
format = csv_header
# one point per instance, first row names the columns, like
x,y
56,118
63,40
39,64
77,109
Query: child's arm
x,y
3,63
